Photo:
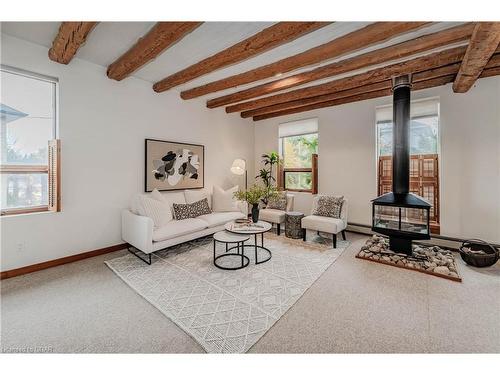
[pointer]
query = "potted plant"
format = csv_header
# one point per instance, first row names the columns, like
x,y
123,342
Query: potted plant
x,y
253,196
266,175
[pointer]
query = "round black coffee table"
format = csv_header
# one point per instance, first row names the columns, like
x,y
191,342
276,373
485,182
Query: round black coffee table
x,y
230,239
253,228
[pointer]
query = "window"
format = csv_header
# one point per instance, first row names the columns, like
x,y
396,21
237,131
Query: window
x,y
299,151
424,153
29,152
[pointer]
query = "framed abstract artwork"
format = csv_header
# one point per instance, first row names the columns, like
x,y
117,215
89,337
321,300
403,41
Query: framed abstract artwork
x,y
173,166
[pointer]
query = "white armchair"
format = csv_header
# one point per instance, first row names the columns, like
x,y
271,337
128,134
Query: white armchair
x,y
326,224
275,216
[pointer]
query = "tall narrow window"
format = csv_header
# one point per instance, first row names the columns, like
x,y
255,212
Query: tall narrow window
x,y
29,153
299,152
424,153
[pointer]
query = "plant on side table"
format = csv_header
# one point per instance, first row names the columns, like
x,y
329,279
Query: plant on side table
x,y
253,196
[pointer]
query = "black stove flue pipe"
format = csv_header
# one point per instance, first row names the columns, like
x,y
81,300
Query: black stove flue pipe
x,y
401,135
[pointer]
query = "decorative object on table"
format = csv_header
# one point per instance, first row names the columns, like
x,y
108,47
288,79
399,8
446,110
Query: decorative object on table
x,y
253,228
242,221
232,241
329,206
479,253
239,167
293,227
253,196
188,269
173,165
266,173
431,260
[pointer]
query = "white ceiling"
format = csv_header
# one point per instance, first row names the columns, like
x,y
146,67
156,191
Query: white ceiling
x,y
111,39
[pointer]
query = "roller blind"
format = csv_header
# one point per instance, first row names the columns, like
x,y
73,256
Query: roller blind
x,y
418,108
300,127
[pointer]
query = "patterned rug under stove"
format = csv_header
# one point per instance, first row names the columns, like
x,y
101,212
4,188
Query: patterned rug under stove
x,y
227,311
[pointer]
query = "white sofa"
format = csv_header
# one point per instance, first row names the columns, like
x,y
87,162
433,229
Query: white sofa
x,y
139,232
326,224
274,216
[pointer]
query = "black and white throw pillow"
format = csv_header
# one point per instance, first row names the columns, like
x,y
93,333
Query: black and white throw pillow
x,y
279,202
181,211
200,207
328,205
187,211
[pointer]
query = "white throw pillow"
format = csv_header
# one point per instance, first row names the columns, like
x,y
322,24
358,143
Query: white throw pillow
x,y
155,194
135,202
157,210
193,196
224,201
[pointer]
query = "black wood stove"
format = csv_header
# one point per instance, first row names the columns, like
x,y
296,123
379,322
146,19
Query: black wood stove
x,y
401,215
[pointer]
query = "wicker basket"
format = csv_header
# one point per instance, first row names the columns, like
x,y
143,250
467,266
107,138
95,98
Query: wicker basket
x,y
486,259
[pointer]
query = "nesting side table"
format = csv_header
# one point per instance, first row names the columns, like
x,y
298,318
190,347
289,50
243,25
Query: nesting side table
x,y
232,241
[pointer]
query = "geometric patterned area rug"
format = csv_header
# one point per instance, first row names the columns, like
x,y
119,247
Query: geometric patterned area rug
x,y
227,311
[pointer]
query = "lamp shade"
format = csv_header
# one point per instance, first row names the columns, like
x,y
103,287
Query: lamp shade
x,y
238,167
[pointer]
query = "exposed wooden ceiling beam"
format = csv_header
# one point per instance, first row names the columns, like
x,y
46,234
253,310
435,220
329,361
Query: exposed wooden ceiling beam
x,y
271,37
491,69
356,98
442,71
426,62
483,43
318,99
364,37
490,72
386,84
69,38
397,51
160,37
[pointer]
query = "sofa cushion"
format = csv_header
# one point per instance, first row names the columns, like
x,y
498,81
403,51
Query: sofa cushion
x,y
135,202
323,224
224,200
272,215
176,228
155,194
157,210
218,218
197,195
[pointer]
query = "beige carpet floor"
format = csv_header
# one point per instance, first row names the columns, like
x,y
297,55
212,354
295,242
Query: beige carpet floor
x,y
354,307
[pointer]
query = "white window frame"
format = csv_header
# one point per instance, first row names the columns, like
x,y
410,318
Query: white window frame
x,y
55,134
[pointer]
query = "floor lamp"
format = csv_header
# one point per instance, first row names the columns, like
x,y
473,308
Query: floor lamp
x,y
239,167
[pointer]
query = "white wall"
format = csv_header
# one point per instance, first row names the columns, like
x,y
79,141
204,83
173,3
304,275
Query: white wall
x,y
470,157
103,124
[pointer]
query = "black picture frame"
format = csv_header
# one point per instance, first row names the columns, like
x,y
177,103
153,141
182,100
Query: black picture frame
x,y
147,188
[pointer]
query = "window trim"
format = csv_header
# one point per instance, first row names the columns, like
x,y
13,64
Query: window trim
x,y
313,170
32,169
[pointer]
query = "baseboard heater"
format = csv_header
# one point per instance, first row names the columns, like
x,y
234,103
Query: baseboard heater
x,y
452,243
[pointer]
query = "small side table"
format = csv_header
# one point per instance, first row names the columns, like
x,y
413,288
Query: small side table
x,y
293,228
237,240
